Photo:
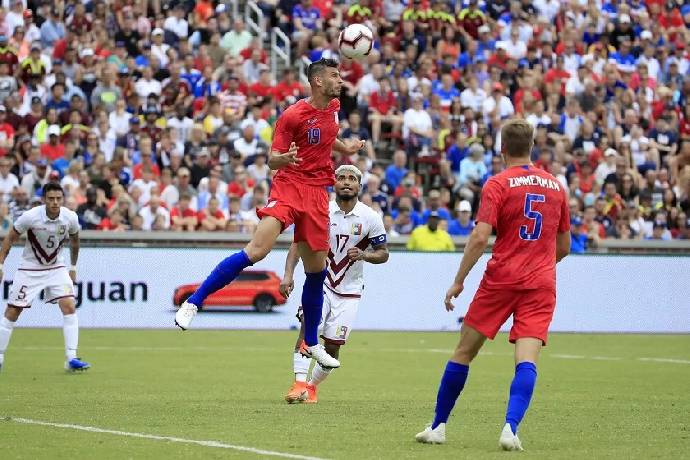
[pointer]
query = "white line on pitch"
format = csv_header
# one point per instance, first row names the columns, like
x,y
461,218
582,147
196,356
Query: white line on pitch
x,y
92,429
383,350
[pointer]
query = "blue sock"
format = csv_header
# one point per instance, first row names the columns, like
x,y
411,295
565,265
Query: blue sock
x,y
226,271
312,304
452,383
520,393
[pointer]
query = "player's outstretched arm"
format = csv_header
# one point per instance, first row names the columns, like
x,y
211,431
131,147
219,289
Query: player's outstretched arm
x,y
562,245
288,283
348,147
479,239
11,238
278,160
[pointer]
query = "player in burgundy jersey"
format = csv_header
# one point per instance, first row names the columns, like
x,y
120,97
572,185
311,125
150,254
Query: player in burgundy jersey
x,y
528,208
305,135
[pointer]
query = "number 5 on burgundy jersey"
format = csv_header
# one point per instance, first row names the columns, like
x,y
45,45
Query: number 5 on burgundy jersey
x,y
527,207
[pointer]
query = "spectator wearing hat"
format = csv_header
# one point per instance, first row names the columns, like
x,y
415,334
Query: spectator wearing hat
x,y
201,167
159,49
232,98
430,237
417,127
606,167
498,104
463,224
33,65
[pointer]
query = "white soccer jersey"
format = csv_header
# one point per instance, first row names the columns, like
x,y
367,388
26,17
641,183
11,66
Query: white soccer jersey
x,y
360,228
45,237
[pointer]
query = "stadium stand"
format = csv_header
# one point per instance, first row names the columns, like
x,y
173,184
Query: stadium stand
x,y
156,116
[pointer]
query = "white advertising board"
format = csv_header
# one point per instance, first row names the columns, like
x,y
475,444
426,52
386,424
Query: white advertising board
x,y
133,288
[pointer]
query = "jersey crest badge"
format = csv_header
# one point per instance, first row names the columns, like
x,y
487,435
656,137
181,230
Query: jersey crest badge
x,y
356,229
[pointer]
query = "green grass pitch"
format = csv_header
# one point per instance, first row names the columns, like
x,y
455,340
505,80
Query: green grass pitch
x,y
228,386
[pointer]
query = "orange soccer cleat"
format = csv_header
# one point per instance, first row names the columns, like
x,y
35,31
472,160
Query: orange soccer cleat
x,y
298,393
311,398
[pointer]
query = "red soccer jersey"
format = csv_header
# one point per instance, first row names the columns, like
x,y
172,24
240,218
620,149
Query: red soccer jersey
x,y
527,207
314,131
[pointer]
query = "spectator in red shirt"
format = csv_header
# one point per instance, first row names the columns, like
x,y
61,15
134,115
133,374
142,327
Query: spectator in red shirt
x,y
241,184
263,88
183,217
146,153
6,133
383,108
212,219
288,87
255,45
53,149
671,20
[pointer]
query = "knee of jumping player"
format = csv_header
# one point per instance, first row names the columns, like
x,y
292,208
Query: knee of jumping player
x,y
12,313
67,306
257,251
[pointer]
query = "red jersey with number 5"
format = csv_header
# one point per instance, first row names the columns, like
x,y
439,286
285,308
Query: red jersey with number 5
x,y
527,207
313,131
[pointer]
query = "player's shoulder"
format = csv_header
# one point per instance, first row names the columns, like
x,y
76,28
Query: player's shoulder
x,y
68,214
37,212
333,207
334,105
367,212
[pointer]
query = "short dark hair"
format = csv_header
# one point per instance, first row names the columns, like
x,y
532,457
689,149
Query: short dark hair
x,y
52,187
316,67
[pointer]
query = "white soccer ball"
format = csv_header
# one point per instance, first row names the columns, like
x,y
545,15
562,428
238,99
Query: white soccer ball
x,y
356,41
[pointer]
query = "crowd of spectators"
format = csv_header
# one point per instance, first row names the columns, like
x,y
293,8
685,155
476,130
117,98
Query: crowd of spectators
x,y
158,115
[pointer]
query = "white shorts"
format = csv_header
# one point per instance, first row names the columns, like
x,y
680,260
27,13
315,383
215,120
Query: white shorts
x,y
28,284
337,317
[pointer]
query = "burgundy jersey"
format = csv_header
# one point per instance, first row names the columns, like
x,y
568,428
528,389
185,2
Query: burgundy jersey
x,y
314,131
527,207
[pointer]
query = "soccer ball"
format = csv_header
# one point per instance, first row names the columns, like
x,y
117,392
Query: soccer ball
x,y
355,41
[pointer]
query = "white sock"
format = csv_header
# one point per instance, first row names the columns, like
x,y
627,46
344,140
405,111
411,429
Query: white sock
x,y
300,364
6,327
70,330
319,374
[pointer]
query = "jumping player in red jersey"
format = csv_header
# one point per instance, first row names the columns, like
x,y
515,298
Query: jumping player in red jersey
x,y
305,136
528,208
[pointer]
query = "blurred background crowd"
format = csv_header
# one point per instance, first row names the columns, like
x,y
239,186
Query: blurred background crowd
x,y
158,115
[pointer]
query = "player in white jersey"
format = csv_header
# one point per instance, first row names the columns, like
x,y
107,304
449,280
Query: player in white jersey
x,y
354,227
42,268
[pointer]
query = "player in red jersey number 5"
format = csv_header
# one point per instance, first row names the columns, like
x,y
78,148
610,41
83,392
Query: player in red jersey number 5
x,y
304,139
528,208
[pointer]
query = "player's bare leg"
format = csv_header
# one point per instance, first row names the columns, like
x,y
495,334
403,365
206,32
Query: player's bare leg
x,y
7,323
298,392
312,303
526,354
452,383
226,271
70,330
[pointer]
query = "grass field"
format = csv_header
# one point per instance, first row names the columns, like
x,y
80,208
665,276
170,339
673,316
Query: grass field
x,y
631,401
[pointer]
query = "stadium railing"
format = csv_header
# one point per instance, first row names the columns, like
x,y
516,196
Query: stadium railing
x,y
280,50
145,239
255,20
